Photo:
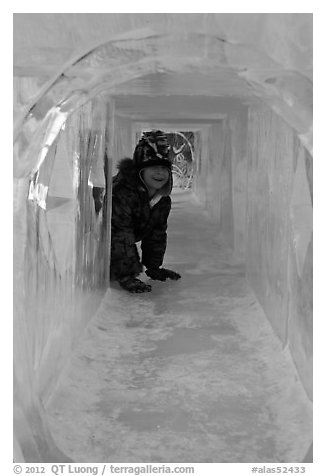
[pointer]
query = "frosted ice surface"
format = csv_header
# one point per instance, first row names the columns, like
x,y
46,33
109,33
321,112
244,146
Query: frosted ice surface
x,y
194,72
188,372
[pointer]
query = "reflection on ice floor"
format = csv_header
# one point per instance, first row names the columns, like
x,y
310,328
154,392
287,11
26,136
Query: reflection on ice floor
x,y
190,372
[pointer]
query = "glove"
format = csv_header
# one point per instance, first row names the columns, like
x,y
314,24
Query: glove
x,y
98,195
134,285
161,274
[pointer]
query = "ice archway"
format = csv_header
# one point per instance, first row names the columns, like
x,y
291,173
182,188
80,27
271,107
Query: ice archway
x,y
85,84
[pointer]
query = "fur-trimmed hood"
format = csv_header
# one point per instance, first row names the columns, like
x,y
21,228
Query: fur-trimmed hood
x,y
132,178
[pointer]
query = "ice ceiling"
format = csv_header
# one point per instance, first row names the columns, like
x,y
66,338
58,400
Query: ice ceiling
x,y
160,67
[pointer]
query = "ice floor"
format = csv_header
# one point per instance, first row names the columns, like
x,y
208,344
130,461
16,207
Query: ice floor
x,y
190,372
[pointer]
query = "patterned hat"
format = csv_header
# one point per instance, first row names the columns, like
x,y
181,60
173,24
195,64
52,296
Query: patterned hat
x,y
152,149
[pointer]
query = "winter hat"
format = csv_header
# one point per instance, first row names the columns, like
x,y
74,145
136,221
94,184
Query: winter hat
x,y
152,149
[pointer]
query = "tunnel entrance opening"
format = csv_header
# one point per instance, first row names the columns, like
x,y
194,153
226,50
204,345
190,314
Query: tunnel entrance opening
x,y
182,149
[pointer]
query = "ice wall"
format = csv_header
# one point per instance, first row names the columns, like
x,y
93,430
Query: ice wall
x,y
257,187
84,83
123,142
221,177
61,268
279,243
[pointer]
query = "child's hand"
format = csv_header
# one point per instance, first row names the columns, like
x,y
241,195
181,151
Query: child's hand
x,y
161,274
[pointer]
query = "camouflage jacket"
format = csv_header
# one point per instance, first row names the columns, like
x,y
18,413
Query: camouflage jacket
x,y
133,220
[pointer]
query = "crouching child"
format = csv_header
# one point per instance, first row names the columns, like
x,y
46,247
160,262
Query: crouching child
x,y
141,204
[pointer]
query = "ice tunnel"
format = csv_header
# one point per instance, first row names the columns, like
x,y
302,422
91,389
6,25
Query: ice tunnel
x,y
218,366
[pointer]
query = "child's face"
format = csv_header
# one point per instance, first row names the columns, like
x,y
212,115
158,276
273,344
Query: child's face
x,y
156,176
